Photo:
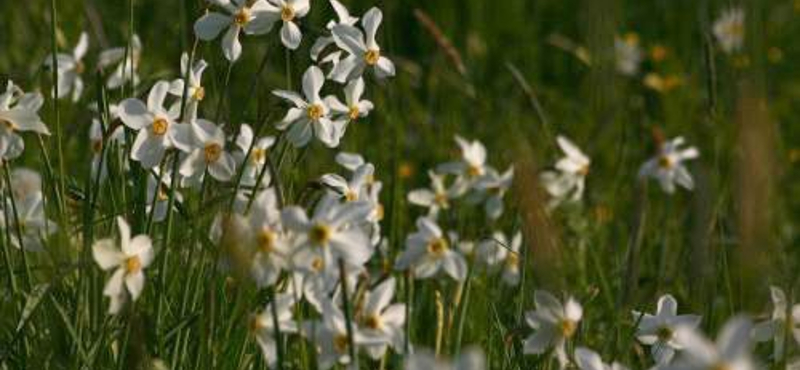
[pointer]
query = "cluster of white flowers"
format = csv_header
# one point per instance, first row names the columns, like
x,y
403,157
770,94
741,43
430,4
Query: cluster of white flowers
x,y
567,181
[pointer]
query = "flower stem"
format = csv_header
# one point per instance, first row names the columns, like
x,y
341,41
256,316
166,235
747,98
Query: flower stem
x,y
348,315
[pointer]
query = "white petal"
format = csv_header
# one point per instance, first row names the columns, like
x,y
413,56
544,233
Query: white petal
x,y
135,284
134,114
210,25
291,35
106,254
230,44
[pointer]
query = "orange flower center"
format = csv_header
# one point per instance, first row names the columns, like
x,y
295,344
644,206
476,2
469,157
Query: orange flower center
x,y
213,152
320,234
287,13
160,126
437,247
314,112
266,240
242,17
372,57
133,265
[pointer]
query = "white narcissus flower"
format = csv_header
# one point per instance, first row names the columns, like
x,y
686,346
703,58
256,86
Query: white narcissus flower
x,y
316,283
502,252
428,251
207,153
436,198
195,92
70,67
492,187
133,256
157,128
381,320
263,325
569,180
554,323
254,164
328,235
628,54
254,18
127,68
324,41
25,182
364,50
586,359
158,195
784,318
29,222
330,335
668,168
289,11
470,359
271,247
309,116
353,107
353,190
658,331
730,351
18,113
729,30
98,142
472,164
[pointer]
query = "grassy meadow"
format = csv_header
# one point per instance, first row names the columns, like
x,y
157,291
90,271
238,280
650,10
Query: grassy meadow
x,y
618,78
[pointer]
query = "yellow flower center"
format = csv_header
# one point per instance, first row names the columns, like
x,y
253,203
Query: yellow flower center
x,y
568,328
162,193
97,146
351,196
512,261
317,265
242,17
437,247
258,155
255,324
372,56
474,171
665,162
340,343
199,93
160,126
320,234
266,240
8,125
287,13
133,265
314,112
353,113
664,333
79,67
373,322
379,212
440,199
213,152
584,170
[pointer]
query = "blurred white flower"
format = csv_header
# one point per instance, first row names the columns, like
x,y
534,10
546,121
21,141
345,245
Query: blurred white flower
x,y
98,141
353,190
130,260
195,92
126,68
730,351
364,52
729,30
29,222
491,188
253,165
253,17
330,336
470,359
207,152
785,318
628,54
157,128
18,113
69,68
158,195
383,321
667,167
428,251
554,323
658,331
25,182
502,252
309,116
271,246
472,165
586,359
436,198
568,181
263,325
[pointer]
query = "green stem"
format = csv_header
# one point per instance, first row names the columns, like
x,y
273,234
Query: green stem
x,y
348,317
